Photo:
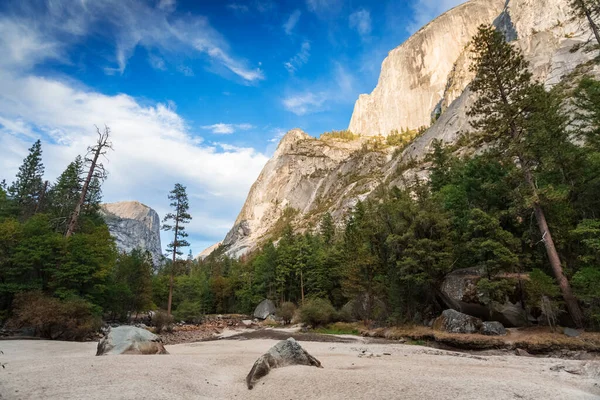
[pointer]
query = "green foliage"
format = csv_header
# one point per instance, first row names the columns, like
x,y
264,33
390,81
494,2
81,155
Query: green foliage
x,y
495,291
176,220
586,285
343,134
51,318
286,311
162,321
27,189
189,311
316,312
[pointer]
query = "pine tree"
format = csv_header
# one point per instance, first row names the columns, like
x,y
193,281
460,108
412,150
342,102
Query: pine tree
x,y
65,193
27,189
590,10
327,229
175,222
504,117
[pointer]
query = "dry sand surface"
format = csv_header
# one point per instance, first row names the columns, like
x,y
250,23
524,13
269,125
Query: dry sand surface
x,y
217,370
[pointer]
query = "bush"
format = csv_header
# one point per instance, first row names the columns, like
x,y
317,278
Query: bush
x,y
189,311
286,312
317,312
162,321
51,318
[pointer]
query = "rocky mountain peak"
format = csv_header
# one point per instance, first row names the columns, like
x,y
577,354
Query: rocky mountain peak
x,y
133,225
423,83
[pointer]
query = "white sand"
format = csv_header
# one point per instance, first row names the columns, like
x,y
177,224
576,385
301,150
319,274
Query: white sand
x,y
217,370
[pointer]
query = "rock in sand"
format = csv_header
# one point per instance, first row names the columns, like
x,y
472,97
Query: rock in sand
x,y
130,340
264,309
285,353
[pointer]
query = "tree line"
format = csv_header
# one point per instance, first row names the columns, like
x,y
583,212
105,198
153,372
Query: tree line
x,y
526,200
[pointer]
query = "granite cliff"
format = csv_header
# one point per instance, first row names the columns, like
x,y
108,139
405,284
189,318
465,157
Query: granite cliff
x,y
423,82
134,225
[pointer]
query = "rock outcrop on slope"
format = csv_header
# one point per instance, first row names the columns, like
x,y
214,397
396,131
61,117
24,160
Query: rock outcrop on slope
x,y
134,225
425,77
304,178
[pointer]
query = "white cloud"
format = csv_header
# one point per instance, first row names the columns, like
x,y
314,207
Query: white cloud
x,y
153,148
166,5
30,37
339,88
424,11
157,62
299,59
239,8
361,21
187,71
226,129
291,22
324,7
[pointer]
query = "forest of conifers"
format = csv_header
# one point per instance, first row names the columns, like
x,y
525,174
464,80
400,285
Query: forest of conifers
x,y
524,199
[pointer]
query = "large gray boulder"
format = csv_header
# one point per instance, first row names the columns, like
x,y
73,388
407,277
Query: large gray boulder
x,y
459,292
285,353
264,309
130,340
456,322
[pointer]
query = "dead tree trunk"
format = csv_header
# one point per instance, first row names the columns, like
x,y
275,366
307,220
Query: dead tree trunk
x,y
97,150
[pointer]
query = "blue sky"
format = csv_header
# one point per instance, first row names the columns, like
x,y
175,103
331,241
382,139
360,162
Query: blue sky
x,y
196,92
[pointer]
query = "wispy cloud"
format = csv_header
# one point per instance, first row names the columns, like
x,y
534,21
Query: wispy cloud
x,y
299,59
339,88
185,70
238,8
226,129
361,21
426,10
154,136
324,7
31,36
156,62
291,22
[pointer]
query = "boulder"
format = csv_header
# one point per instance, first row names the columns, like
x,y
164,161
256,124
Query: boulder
x,y
264,309
456,322
459,292
493,328
130,340
285,353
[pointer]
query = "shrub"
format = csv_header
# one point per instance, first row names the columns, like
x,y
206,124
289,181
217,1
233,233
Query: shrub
x,y
51,318
286,312
317,312
189,311
162,321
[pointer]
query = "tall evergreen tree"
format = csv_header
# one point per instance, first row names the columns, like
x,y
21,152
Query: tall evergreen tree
x,y
504,117
65,193
27,189
175,222
327,229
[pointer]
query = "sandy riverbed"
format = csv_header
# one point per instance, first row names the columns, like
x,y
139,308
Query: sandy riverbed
x,y
216,370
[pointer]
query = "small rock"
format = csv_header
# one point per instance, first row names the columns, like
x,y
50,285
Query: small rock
x,y
493,328
522,353
570,332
